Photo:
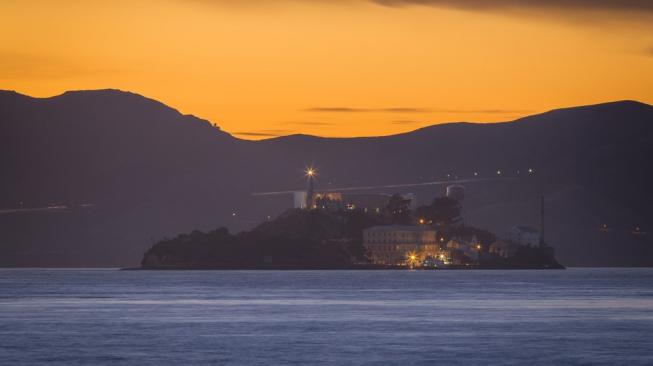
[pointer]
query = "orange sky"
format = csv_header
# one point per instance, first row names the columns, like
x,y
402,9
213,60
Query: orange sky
x,y
331,68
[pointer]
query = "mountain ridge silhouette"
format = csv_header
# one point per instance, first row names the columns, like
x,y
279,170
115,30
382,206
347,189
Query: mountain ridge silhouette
x,y
144,171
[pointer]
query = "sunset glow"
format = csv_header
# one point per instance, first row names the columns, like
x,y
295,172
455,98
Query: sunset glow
x,y
331,68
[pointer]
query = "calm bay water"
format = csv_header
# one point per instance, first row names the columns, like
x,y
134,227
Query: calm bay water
x,y
577,316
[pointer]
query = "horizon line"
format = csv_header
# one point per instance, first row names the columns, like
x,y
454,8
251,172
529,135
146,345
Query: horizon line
x,y
269,136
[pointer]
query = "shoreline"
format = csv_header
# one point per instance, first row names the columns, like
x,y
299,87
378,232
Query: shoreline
x,y
336,268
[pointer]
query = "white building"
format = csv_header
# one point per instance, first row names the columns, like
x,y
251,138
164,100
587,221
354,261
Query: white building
x,y
299,199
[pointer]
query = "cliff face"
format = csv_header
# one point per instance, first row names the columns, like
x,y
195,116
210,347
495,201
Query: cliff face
x,y
131,170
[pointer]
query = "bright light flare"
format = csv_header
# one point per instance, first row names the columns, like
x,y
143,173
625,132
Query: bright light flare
x,y
412,257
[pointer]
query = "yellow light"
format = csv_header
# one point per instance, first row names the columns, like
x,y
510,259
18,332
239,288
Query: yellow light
x,y
310,172
421,221
478,247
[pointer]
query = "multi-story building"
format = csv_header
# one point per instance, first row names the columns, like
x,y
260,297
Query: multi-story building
x,y
399,244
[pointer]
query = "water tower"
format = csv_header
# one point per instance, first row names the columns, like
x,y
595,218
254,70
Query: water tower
x,y
456,192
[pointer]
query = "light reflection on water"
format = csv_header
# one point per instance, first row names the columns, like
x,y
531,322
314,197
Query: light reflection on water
x,y
578,316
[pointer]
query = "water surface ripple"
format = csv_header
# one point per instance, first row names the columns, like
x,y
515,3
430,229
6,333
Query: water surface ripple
x,y
82,317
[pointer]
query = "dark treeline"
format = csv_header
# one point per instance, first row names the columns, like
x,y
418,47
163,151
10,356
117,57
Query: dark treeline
x,y
314,238
308,238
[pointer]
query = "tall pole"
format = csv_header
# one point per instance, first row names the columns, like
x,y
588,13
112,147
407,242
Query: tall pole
x,y
542,244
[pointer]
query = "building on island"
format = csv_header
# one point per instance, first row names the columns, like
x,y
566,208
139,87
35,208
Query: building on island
x,y
503,248
400,244
524,235
299,199
374,202
456,192
470,247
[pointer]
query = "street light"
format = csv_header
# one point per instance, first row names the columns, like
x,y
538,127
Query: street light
x,y
411,258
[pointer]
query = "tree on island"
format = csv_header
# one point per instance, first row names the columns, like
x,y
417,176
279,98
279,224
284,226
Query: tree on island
x,y
443,212
330,238
484,237
398,210
296,238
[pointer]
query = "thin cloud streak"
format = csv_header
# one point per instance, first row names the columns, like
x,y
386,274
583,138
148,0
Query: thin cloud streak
x,y
308,123
264,133
405,110
619,5
577,5
367,110
334,109
486,111
412,110
404,122
255,134
481,5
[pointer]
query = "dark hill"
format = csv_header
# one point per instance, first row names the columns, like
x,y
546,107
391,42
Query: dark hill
x,y
150,172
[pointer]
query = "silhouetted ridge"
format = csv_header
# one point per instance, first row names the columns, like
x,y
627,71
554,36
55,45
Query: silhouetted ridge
x,y
112,98
9,93
10,98
143,171
113,102
624,108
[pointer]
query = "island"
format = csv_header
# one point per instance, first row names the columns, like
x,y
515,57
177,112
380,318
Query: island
x,y
327,234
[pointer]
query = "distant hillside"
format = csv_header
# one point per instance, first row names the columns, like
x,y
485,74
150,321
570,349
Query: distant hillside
x,y
132,170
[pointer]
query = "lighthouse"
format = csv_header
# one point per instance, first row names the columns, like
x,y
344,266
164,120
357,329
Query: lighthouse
x,y
310,175
542,243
